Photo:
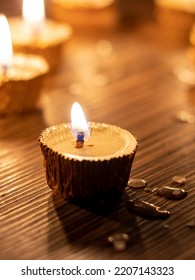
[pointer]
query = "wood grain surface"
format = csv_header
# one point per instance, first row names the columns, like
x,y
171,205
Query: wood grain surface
x,y
130,84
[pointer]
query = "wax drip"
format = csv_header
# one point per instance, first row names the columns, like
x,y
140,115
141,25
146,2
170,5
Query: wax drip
x,y
146,210
170,193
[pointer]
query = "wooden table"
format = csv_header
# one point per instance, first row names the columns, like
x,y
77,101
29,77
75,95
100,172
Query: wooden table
x,y
131,85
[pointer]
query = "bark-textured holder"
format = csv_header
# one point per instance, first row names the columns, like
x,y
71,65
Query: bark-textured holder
x,y
100,170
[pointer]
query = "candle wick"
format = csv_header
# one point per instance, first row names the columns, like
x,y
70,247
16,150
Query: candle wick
x,y
80,139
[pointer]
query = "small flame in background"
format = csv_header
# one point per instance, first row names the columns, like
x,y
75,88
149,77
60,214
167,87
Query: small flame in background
x,y
78,121
6,51
33,12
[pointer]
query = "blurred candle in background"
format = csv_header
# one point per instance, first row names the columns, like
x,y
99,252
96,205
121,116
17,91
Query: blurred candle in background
x,y
33,33
20,76
175,17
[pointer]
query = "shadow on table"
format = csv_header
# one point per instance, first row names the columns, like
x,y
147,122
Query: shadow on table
x,y
88,228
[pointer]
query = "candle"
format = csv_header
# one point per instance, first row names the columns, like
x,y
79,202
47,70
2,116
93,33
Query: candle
x,y
35,34
20,76
98,170
85,14
177,16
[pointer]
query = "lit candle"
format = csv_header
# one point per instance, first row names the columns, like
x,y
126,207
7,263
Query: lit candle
x,y
35,34
99,170
20,76
80,129
34,14
5,46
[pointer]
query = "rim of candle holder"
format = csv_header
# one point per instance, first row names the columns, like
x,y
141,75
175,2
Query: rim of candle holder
x,y
126,151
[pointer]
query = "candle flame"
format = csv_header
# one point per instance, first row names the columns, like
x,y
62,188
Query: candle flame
x,y
78,121
33,12
6,51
